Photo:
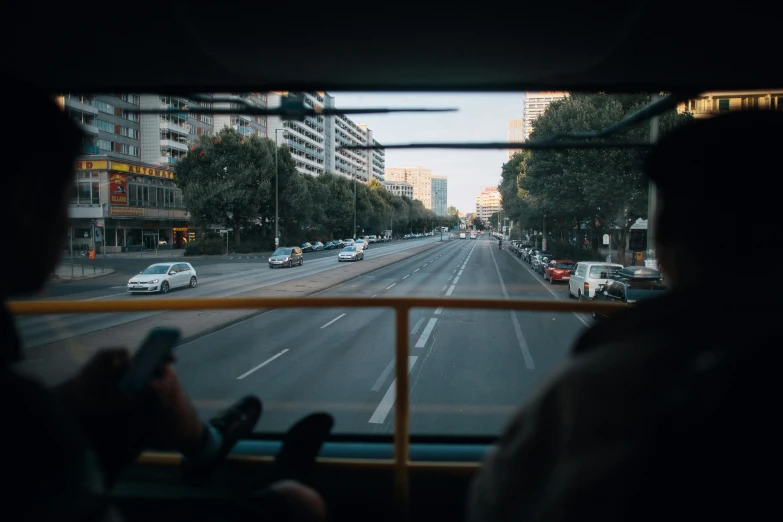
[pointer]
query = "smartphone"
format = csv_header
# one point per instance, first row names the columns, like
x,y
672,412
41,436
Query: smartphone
x,y
149,359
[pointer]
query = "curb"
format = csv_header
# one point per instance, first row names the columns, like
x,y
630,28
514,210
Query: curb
x,y
55,279
257,313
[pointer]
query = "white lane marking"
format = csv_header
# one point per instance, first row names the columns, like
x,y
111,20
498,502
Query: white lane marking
x,y
116,287
407,276
438,310
426,333
451,289
444,287
550,290
417,326
391,285
372,296
517,330
456,279
262,364
460,272
333,320
387,402
384,375
417,269
425,264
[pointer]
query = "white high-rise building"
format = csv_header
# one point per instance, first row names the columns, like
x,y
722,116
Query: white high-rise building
x,y
535,105
306,139
487,203
419,177
516,134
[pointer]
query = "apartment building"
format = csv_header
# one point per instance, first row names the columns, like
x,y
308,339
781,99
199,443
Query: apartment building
x,y
440,189
535,105
399,188
419,177
487,203
516,134
306,139
716,102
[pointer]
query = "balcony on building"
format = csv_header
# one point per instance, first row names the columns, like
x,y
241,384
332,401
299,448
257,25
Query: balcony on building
x,y
80,103
173,144
176,126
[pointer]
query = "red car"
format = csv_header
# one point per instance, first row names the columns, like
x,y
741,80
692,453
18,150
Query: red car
x,y
558,270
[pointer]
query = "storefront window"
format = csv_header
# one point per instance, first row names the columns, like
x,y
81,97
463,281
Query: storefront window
x,y
87,189
143,195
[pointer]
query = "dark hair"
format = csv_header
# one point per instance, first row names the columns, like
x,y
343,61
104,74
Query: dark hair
x,y
42,144
717,179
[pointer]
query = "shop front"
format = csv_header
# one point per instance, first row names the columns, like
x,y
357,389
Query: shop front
x,y
140,205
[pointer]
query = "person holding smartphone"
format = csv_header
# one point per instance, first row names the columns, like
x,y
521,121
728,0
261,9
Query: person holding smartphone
x,y
65,447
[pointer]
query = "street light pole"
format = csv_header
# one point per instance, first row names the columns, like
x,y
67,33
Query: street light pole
x,y
277,228
652,191
354,201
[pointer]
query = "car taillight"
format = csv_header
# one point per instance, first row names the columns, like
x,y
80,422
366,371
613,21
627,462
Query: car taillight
x,y
587,288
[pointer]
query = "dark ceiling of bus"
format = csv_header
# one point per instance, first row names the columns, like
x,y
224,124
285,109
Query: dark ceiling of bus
x,y
228,45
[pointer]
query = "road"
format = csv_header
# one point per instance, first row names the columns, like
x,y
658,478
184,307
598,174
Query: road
x,y
469,369
219,278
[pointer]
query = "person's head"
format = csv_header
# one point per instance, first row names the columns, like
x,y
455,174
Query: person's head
x,y
41,144
717,182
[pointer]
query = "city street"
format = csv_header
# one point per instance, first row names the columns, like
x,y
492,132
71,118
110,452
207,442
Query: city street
x,y
469,369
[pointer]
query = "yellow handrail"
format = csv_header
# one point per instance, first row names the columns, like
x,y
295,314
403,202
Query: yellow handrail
x,y
401,306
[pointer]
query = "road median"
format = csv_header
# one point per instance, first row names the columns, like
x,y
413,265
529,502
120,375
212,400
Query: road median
x,y
54,362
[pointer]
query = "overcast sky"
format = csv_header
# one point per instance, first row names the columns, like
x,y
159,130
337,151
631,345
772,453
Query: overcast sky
x,y
481,117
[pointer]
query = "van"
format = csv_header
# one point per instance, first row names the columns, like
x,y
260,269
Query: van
x,y
587,276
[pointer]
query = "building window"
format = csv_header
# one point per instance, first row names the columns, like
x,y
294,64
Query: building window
x,y
129,149
130,116
130,98
103,107
105,126
130,132
145,195
104,144
87,189
723,105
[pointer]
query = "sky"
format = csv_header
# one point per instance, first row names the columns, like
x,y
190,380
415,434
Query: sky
x,y
481,117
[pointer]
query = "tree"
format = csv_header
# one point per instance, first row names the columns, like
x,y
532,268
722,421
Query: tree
x,y
452,211
375,184
224,178
602,187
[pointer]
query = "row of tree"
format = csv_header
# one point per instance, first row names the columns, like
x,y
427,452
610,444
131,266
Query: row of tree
x,y
601,188
229,180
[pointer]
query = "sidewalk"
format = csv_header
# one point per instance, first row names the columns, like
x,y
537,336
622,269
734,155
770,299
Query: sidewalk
x,y
65,272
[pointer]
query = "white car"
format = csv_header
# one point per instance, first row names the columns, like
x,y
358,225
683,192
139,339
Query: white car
x,y
587,278
351,253
162,277
462,235
473,235
349,242
363,242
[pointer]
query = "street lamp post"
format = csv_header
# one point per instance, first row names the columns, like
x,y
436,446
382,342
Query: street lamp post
x,y
353,169
277,228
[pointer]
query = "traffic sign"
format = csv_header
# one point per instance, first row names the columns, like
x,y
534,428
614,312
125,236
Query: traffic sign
x,y
606,239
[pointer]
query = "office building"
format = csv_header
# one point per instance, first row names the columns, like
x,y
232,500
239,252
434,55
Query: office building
x,y
535,105
419,177
487,203
440,189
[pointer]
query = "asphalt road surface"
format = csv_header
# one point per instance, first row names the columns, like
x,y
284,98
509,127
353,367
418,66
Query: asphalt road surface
x,y
469,369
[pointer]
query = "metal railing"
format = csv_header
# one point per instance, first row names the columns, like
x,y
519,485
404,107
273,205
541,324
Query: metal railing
x,y
401,306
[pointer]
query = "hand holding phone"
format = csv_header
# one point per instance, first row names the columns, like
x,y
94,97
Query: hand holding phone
x,y
156,350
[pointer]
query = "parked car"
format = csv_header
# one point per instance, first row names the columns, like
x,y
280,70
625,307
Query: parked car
x,y
630,285
587,276
306,247
559,270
